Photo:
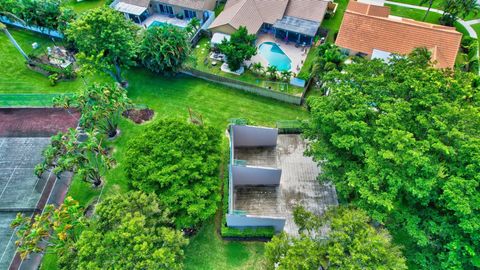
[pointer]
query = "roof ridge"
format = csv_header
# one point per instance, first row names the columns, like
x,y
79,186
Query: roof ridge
x,y
241,6
452,31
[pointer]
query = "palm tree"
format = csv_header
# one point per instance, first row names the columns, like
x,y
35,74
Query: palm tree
x,y
272,70
189,29
468,7
3,27
194,23
286,74
257,68
430,3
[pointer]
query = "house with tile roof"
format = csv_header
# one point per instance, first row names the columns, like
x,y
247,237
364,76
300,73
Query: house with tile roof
x,y
290,20
370,30
176,12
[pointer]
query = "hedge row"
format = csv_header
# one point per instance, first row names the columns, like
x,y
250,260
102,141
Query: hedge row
x,y
258,232
289,127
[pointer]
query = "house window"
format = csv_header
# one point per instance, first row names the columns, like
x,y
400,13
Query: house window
x,y
267,26
165,9
189,14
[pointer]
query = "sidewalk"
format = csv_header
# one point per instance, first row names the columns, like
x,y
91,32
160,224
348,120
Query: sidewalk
x,y
466,24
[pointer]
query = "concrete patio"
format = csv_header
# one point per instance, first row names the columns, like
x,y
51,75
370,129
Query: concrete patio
x,y
296,55
298,183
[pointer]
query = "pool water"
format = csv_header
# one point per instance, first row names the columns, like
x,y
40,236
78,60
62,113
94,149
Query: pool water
x,y
275,56
156,23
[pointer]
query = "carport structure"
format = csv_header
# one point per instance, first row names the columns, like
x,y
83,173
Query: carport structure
x,y
296,30
269,177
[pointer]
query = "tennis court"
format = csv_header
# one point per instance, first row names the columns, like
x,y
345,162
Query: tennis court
x,y
24,133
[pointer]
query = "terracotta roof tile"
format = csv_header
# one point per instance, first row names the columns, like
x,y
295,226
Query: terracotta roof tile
x,y
363,32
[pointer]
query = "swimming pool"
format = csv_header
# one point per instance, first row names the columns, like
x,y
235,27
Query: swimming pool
x,y
275,56
158,23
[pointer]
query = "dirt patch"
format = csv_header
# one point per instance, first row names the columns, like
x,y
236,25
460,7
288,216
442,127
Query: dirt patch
x,y
36,122
139,115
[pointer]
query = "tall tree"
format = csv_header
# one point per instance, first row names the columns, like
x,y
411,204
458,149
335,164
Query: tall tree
x,y
193,25
329,57
43,13
453,9
101,106
351,243
128,231
273,72
106,41
430,4
178,161
239,48
401,141
164,49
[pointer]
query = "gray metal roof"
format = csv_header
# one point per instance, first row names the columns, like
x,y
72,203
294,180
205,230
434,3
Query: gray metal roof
x,y
297,25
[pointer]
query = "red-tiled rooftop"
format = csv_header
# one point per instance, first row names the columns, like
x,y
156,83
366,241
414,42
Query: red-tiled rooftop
x,y
366,27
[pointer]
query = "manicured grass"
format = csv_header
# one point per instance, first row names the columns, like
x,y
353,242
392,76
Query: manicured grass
x,y
333,23
476,27
26,100
419,14
201,53
171,97
208,251
307,65
437,4
85,5
414,14
462,29
16,77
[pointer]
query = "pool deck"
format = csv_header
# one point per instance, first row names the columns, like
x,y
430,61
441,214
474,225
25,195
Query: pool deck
x,y
164,19
296,55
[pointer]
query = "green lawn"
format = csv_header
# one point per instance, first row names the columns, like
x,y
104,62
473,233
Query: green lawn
x,y
419,14
201,52
333,23
16,77
208,251
476,27
26,100
85,4
305,71
437,4
414,14
171,97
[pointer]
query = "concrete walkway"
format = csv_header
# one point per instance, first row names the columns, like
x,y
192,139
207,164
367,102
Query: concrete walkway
x,y
466,24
